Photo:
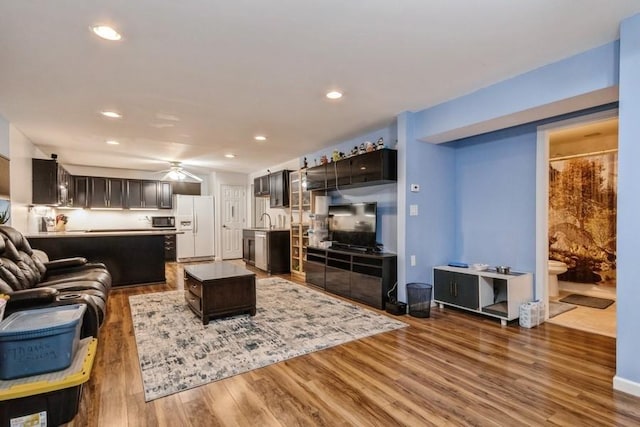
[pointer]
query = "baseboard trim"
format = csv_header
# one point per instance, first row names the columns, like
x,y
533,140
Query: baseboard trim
x,y
626,386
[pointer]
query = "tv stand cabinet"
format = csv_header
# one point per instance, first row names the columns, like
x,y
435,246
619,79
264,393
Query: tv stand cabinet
x,y
363,277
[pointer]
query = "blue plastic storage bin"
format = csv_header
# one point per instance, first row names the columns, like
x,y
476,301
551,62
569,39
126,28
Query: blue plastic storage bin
x,y
38,341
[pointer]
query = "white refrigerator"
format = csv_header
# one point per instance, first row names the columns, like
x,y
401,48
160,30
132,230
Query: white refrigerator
x,y
194,218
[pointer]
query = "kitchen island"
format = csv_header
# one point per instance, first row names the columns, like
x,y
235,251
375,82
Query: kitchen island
x,y
133,256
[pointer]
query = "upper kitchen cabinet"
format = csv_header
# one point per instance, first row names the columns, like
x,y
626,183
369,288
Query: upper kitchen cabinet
x,y
107,192
51,183
142,194
261,186
279,189
80,192
165,193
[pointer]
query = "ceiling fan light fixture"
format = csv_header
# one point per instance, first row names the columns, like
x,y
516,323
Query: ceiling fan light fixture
x,y
106,32
177,173
111,114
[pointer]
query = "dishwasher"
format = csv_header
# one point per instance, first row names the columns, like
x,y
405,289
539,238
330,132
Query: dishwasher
x,y
261,250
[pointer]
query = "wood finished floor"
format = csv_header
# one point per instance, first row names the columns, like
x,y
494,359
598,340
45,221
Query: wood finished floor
x,y
453,368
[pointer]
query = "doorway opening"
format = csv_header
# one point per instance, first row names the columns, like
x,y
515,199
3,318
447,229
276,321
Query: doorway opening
x,y
577,205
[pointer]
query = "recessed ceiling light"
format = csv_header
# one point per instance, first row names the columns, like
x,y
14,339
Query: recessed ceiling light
x,y
229,156
111,114
260,138
334,94
112,142
106,32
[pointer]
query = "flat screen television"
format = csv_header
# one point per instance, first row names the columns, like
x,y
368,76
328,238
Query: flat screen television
x,y
353,225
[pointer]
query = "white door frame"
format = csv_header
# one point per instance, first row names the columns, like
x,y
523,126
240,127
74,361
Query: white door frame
x,y
542,196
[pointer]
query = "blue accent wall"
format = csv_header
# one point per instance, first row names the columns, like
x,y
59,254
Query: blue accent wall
x,y
628,287
495,195
580,74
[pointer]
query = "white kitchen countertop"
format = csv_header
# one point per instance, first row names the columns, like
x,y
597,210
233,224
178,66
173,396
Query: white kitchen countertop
x,y
102,233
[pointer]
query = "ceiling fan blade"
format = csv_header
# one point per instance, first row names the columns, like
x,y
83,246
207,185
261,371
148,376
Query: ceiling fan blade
x,y
190,175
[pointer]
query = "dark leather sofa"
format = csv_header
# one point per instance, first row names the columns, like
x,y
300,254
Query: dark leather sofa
x,y
32,281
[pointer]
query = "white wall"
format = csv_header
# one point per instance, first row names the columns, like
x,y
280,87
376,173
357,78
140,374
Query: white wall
x,y
21,152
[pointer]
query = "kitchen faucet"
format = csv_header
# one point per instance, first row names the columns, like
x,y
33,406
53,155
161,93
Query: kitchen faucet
x,y
268,216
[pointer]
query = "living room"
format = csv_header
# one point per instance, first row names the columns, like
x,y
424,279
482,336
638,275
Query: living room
x,y
474,157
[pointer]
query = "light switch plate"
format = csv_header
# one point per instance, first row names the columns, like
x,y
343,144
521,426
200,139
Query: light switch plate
x,y
413,210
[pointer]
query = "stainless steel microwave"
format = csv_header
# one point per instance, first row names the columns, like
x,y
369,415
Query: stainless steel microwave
x,y
163,221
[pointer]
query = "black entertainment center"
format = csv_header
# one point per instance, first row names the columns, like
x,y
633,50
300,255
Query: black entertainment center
x,y
354,266
364,277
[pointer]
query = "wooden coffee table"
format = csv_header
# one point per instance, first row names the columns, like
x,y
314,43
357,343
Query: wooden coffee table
x,y
218,289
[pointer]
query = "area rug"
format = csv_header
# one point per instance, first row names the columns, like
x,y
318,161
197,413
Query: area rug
x,y
176,352
587,301
556,308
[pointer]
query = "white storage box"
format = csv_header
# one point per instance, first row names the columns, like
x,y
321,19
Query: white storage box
x,y
531,314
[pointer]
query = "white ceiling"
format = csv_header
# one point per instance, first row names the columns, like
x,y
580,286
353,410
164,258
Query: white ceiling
x,y
197,79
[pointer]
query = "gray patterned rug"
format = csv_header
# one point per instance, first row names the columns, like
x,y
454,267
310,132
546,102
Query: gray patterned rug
x,y
177,352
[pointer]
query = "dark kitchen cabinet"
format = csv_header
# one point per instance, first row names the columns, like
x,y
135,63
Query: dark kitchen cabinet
x,y
373,168
261,186
80,196
456,288
51,183
316,178
142,194
338,174
107,192
314,267
165,195
170,247
279,189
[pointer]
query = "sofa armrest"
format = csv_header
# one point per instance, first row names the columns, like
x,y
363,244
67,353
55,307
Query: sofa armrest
x,y
65,263
31,297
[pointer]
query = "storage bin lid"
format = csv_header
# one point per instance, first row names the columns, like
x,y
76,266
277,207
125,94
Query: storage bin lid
x,y
41,320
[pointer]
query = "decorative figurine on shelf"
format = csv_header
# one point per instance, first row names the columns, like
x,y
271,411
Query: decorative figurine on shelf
x,y
304,163
380,144
369,146
354,151
335,156
362,149
324,160
342,155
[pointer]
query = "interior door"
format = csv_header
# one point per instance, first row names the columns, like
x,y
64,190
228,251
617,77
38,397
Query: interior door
x,y
233,220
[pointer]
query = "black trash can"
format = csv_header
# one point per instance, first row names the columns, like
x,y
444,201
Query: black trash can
x,y
419,299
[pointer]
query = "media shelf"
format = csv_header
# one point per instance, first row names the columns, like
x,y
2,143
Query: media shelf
x,y
364,277
487,292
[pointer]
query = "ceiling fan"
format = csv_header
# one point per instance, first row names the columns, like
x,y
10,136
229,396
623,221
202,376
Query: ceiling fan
x,y
178,173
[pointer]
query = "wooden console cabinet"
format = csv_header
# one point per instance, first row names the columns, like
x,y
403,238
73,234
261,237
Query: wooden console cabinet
x,y
363,277
486,292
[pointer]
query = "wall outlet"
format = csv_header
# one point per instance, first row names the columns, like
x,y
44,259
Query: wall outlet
x,y
415,188
413,260
413,210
